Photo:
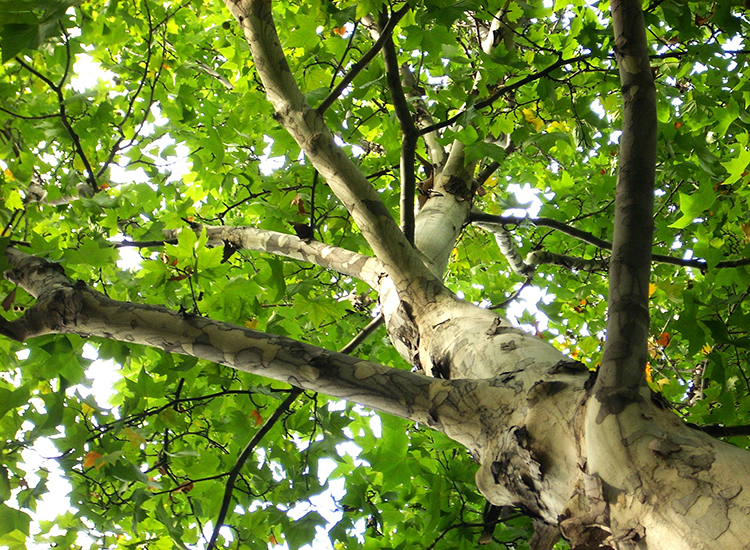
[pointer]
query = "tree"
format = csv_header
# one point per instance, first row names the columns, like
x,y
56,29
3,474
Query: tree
x,y
250,278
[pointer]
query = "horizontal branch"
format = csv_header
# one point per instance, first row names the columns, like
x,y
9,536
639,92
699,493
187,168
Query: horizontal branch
x,y
365,268
73,308
480,218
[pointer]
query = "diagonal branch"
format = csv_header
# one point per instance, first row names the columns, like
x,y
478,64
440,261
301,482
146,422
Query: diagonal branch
x,y
362,63
63,115
307,127
502,90
625,349
266,427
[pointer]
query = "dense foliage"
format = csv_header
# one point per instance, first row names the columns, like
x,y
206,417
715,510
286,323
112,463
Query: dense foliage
x,y
175,131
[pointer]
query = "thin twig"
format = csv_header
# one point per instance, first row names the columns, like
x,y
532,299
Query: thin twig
x,y
501,91
63,114
362,63
267,425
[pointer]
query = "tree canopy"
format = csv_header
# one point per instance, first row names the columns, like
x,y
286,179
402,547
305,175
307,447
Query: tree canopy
x,y
148,126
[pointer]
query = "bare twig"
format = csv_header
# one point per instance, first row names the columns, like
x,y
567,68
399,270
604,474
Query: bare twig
x,y
362,63
267,425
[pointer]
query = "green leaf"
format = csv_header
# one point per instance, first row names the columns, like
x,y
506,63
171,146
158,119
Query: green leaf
x,y
737,166
11,521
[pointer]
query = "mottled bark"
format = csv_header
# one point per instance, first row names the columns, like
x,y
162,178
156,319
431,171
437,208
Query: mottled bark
x,y
625,350
308,128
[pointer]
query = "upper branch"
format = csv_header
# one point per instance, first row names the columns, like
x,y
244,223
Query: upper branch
x,y
362,63
346,262
400,259
625,349
63,114
410,135
502,90
482,219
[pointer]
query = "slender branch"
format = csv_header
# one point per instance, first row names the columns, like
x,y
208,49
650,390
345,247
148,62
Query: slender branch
x,y
502,90
267,425
25,117
486,219
482,219
424,118
625,349
717,430
409,136
362,63
244,455
145,244
63,114
539,257
348,48
485,174
509,249
210,71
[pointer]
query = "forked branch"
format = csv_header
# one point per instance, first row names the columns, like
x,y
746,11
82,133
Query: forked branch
x,y
307,127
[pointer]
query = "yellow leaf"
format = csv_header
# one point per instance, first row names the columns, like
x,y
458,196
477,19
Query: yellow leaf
x,y
86,409
648,373
78,164
557,127
651,289
90,458
9,174
251,324
532,119
746,230
706,349
14,200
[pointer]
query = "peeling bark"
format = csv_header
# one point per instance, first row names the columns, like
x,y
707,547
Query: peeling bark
x,y
365,268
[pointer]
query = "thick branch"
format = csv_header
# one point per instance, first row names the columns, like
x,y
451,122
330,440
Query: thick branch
x,y
308,128
65,307
625,349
